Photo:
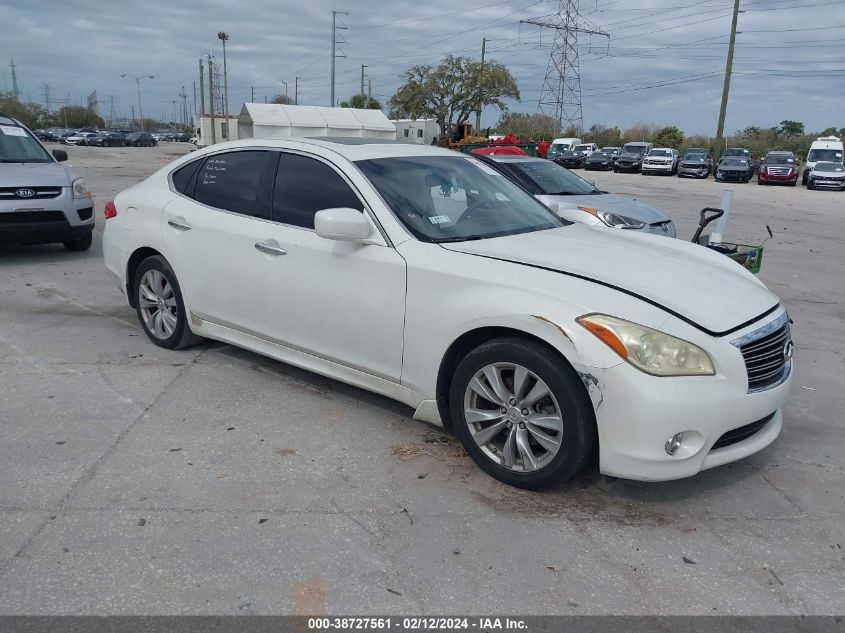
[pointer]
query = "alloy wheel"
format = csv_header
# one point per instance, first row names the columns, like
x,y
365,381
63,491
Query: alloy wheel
x,y
513,417
157,303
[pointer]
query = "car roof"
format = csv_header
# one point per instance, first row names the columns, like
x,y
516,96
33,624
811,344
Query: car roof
x,y
351,148
779,153
7,120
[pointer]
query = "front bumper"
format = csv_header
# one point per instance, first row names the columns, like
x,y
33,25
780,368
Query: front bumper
x,y
833,186
658,167
694,172
598,166
787,178
636,413
628,167
46,221
734,176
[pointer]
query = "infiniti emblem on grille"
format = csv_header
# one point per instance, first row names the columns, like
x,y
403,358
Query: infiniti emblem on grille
x,y
24,193
788,350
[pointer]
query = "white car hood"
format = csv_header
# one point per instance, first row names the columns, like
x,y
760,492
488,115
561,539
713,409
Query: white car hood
x,y
692,282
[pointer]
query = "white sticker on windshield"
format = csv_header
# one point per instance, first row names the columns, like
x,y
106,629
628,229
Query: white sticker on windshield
x,y
483,167
12,130
439,219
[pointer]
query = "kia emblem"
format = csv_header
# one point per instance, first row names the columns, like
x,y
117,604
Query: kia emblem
x,y
788,350
24,193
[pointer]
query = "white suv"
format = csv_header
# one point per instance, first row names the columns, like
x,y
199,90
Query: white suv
x,y
824,148
661,160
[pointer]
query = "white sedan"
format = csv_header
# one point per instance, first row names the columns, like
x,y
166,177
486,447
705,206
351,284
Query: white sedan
x,y
427,276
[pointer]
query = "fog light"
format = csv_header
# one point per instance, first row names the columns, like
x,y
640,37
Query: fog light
x,y
674,443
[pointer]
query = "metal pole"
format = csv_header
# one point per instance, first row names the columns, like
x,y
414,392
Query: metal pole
x,y
334,17
223,38
296,91
211,99
370,93
728,69
252,94
478,111
286,91
362,79
201,102
722,223
140,108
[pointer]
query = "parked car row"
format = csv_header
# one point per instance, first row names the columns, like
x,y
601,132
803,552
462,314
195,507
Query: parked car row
x,y
108,138
736,164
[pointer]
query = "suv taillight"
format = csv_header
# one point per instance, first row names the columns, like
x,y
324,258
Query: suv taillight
x,y
111,210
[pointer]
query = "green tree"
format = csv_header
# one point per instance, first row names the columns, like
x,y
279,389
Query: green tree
x,y
32,115
282,99
604,136
451,91
841,132
77,116
361,102
639,132
791,128
831,131
668,137
538,126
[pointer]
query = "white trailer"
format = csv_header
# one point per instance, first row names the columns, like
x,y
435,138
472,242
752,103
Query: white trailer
x,y
271,120
419,131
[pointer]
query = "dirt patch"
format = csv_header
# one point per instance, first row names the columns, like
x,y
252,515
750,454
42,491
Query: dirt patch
x,y
309,598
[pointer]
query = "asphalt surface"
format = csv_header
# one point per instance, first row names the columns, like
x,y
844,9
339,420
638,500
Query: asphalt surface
x,y
215,481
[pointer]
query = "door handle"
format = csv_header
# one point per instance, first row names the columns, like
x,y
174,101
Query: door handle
x,y
179,223
270,249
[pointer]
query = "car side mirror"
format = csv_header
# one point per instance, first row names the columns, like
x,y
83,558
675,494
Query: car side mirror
x,y
342,224
60,155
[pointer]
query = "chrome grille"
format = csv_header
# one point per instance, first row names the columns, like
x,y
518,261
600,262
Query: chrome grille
x,y
767,354
38,193
779,171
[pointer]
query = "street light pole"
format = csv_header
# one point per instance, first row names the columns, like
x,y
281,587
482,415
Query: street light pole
x,y
138,79
224,38
286,92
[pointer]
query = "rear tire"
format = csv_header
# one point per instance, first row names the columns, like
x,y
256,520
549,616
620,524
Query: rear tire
x,y
548,431
79,244
159,305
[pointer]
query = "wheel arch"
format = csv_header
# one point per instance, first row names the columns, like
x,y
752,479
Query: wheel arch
x,y
468,341
135,260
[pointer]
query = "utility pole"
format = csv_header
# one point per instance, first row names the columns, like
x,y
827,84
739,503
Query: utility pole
x,y
46,89
286,91
560,96
211,98
362,79
15,91
112,112
138,79
202,91
296,91
252,94
720,130
478,111
224,37
369,93
194,106
335,41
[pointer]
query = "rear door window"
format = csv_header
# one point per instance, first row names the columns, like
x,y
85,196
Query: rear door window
x,y
237,182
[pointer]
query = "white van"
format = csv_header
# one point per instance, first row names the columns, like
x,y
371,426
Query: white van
x,y
824,148
561,145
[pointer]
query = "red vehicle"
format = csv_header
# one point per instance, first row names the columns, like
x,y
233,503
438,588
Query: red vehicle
x,y
778,167
507,150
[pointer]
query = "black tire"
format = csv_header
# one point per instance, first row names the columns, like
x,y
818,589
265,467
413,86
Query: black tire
x,y
79,244
181,336
759,182
574,404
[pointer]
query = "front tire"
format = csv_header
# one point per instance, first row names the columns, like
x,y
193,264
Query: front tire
x,y
522,413
79,244
159,305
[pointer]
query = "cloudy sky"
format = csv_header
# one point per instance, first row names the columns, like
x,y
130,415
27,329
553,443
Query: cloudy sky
x,y
664,63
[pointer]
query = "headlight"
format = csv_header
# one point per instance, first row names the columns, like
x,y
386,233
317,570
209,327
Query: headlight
x,y
648,350
80,189
614,220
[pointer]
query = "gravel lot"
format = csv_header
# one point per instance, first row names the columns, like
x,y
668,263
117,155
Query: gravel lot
x,y
214,481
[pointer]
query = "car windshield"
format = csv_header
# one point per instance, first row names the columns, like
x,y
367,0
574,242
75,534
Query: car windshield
x,y
552,179
660,152
735,152
598,156
832,155
19,146
452,199
569,154
779,159
734,162
582,148
834,167
693,156
634,149
555,150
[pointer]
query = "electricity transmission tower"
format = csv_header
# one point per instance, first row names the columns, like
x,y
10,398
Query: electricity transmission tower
x,y
560,96
112,111
15,91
